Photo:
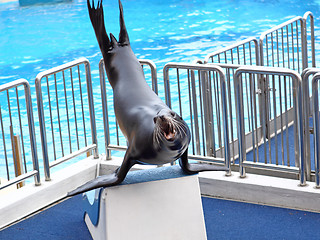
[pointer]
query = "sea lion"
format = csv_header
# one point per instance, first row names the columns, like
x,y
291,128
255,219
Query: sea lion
x,y
155,134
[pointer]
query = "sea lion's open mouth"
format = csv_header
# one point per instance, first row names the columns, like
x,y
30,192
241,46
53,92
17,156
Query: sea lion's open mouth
x,y
167,127
169,136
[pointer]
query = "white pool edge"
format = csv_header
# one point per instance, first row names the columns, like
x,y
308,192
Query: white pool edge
x,y
258,189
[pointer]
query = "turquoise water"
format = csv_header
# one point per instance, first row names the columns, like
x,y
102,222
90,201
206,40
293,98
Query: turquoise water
x,y
39,37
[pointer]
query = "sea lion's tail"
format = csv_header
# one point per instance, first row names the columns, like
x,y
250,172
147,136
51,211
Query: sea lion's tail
x,y
97,20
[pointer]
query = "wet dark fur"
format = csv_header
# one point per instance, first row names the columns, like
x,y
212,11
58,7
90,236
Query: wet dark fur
x,y
155,133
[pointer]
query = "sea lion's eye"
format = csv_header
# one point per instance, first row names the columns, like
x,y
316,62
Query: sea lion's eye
x,y
173,114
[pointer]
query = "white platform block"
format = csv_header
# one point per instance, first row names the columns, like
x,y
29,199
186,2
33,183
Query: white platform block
x,y
161,203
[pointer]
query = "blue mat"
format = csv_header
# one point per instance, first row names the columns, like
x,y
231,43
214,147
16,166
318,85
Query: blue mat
x,y
237,220
62,221
287,151
224,220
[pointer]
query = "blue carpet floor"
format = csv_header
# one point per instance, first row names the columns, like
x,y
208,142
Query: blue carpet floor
x,y
224,220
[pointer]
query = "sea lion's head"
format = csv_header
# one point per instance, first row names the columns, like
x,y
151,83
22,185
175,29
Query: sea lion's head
x,y
170,127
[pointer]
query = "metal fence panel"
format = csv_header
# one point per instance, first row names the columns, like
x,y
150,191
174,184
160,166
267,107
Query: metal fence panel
x,y
290,44
64,97
15,107
245,52
277,154
204,110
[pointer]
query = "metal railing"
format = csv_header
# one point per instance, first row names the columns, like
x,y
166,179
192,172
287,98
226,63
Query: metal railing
x,y
63,125
309,35
308,101
14,108
109,120
315,92
245,52
199,106
209,93
229,70
284,123
286,45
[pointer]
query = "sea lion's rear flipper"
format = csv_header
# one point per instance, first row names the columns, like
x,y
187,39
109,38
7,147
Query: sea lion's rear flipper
x,y
97,20
107,180
193,168
123,35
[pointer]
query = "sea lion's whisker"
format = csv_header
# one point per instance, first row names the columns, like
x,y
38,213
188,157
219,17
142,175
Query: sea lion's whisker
x,y
180,126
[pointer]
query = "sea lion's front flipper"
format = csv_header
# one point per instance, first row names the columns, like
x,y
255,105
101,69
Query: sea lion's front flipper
x,y
107,180
193,168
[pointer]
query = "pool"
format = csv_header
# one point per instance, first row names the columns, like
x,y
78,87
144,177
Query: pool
x,y
39,37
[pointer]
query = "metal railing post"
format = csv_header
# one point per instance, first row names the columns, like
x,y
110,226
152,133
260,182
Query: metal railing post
x,y
312,43
240,126
104,108
42,127
225,119
91,109
307,114
315,95
32,131
207,107
195,111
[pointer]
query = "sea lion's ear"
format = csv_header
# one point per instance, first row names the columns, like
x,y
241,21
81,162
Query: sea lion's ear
x,y
123,35
114,42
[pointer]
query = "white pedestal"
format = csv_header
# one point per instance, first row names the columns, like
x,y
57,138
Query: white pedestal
x,y
161,203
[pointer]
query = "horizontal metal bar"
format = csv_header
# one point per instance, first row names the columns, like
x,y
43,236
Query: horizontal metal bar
x,y
307,72
271,167
61,68
226,65
268,70
18,179
73,155
199,67
13,84
206,159
243,42
116,147
262,36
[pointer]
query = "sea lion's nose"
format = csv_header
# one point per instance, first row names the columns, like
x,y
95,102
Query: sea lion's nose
x,y
155,119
